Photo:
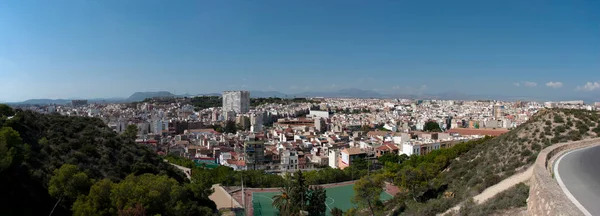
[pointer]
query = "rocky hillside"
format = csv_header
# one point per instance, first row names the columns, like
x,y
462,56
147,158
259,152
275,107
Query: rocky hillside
x,y
496,159
501,157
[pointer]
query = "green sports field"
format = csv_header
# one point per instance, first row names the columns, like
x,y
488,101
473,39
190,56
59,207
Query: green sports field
x,y
339,197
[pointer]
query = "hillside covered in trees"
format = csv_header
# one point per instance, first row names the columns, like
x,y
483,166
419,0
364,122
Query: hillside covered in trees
x,y
53,162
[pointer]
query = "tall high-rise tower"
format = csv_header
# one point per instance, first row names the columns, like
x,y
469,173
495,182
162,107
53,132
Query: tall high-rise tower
x,y
237,101
497,112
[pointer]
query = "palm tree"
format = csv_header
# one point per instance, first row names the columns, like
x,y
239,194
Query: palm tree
x,y
283,201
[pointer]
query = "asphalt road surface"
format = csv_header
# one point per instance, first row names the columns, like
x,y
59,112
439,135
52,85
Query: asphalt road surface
x,y
579,173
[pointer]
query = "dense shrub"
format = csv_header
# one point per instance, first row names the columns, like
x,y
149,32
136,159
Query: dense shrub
x,y
560,129
570,123
558,119
536,147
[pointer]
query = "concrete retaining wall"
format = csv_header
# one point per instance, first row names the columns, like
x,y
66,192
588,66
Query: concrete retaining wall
x,y
545,195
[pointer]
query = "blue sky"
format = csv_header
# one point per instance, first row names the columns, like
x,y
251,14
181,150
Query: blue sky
x,y
110,48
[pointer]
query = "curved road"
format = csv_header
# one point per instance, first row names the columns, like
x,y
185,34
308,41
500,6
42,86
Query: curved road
x,y
578,174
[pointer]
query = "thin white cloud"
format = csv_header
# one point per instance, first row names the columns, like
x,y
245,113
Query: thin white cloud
x,y
396,87
526,84
554,84
589,86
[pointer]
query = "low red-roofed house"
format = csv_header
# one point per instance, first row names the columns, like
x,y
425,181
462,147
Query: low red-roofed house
x,y
387,147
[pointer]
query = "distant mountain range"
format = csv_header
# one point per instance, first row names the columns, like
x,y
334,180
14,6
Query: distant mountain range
x,y
140,96
343,93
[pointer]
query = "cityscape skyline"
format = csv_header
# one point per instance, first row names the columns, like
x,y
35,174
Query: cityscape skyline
x,y
344,93
111,49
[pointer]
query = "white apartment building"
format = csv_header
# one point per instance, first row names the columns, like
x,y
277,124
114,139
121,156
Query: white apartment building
x,y
419,148
256,122
404,137
409,149
223,157
318,113
289,160
334,155
237,101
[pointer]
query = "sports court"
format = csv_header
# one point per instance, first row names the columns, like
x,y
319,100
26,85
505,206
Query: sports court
x,y
339,197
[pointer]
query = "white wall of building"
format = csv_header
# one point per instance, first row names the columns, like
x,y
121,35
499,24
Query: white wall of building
x,y
333,158
345,158
410,149
318,113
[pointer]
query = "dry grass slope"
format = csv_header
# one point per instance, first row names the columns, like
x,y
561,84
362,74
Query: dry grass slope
x,y
514,151
503,156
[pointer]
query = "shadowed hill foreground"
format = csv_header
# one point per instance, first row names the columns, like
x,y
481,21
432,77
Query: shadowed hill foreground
x,y
54,160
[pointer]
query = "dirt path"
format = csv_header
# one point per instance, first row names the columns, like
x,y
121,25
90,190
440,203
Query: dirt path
x,y
497,188
222,199
186,171
504,185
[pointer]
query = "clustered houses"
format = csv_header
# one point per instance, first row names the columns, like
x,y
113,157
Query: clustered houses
x,y
305,136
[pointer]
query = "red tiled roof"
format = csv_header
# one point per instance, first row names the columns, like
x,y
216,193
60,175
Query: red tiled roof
x,y
206,130
488,132
391,146
353,151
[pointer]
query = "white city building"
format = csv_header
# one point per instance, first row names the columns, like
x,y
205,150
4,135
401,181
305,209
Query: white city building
x,y
237,101
409,149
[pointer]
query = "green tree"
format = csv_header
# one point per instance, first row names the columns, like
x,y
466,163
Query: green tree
x,y
12,150
390,158
184,162
299,193
97,202
5,110
230,127
67,183
336,212
137,210
130,132
152,194
34,145
201,185
368,190
418,179
432,126
360,164
351,212
316,201
283,201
